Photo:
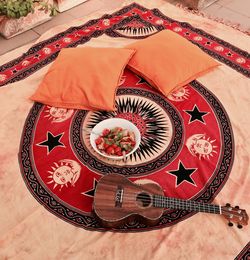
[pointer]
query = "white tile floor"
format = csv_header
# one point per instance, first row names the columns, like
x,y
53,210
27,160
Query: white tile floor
x,y
235,11
81,10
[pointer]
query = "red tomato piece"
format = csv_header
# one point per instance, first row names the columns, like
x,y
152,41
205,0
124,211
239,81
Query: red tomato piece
x,y
114,146
98,140
105,145
105,132
110,150
118,150
133,143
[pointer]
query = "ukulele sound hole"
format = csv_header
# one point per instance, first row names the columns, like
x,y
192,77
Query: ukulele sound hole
x,y
144,199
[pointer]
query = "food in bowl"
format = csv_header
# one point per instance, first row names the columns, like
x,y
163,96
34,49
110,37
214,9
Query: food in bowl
x,y
112,123
116,141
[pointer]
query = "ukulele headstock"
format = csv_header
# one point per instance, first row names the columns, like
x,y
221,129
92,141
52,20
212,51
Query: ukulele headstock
x,y
235,214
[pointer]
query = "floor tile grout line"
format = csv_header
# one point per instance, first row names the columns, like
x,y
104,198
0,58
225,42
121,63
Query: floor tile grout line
x,y
229,9
234,11
38,34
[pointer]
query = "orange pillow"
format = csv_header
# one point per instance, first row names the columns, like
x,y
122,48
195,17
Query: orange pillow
x,y
83,78
168,61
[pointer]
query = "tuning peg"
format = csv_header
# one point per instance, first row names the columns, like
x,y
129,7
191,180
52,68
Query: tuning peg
x,y
228,205
239,226
237,207
230,224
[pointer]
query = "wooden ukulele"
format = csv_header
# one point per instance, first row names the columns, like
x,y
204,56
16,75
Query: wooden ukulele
x,y
118,200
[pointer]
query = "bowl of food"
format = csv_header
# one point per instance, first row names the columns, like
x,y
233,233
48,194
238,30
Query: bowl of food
x,y
115,138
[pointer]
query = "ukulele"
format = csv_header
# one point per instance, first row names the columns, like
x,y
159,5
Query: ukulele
x,y
118,200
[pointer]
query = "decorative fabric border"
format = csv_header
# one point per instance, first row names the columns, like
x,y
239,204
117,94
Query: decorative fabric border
x,y
244,254
45,52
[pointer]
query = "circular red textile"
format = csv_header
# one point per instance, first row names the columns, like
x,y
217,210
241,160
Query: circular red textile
x,y
187,148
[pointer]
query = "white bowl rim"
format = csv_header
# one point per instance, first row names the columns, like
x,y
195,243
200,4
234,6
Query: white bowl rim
x,y
93,137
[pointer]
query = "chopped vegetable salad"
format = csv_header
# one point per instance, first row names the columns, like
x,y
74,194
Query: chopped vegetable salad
x,y
116,141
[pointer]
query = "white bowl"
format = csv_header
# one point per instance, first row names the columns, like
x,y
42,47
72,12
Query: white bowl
x,y
112,123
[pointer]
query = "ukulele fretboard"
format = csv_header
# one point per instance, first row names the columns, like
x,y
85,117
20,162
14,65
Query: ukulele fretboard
x,y
174,203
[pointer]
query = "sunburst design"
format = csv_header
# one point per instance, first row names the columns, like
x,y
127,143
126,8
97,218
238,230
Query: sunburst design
x,y
58,115
199,145
64,172
139,31
180,94
137,28
144,108
150,120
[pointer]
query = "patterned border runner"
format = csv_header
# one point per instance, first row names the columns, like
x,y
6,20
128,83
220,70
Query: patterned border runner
x,y
132,21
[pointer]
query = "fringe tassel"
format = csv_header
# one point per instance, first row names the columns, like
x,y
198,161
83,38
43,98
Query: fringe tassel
x,y
235,26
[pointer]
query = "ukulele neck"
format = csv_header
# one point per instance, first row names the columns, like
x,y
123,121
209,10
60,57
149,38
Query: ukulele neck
x,y
173,203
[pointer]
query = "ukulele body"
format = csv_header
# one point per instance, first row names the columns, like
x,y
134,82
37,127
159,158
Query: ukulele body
x,y
117,200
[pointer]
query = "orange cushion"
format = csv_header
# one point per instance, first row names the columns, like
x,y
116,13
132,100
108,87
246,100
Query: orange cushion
x,y
168,61
83,78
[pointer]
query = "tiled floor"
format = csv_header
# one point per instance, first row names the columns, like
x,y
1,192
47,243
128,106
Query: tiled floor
x,y
235,11
81,10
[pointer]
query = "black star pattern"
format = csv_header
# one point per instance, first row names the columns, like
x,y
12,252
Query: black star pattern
x,y
196,114
141,81
91,192
183,174
52,142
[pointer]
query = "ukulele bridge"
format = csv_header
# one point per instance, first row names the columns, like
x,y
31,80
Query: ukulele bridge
x,y
118,197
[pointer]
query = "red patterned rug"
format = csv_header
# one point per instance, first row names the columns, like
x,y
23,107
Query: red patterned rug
x,y
186,147
187,142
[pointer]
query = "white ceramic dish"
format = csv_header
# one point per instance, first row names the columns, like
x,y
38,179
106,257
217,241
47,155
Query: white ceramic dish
x,y
112,123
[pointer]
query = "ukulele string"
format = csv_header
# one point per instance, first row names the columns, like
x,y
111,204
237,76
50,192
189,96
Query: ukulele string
x,y
176,202
147,199
193,205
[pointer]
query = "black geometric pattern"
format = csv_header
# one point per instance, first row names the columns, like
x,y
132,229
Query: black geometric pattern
x,y
183,174
141,81
196,114
52,142
91,192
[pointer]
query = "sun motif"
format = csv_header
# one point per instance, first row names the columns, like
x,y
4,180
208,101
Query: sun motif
x,y
58,114
106,22
2,77
177,29
199,145
179,94
67,171
122,80
46,50
25,63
